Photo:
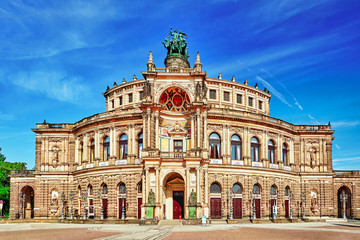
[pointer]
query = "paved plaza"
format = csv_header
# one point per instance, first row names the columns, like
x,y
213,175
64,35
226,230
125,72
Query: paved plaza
x,y
293,231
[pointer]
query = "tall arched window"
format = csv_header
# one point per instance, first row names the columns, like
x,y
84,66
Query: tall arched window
x,y
139,187
287,191
235,147
122,188
140,144
90,190
215,188
81,152
123,146
255,149
256,189
215,145
271,151
284,154
92,150
104,189
237,188
106,148
273,190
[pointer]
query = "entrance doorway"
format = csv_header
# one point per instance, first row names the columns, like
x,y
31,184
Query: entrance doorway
x,y
174,187
178,204
287,209
257,208
105,207
237,208
28,202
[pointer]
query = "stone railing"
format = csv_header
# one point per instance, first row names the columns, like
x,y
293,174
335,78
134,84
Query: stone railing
x,y
174,155
346,173
22,173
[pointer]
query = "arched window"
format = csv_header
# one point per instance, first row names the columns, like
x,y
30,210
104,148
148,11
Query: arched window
x,y
139,187
215,188
106,148
237,188
122,188
81,152
92,150
271,151
215,145
140,144
287,191
255,149
284,154
104,189
90,190
123,146
235,147
256,189
273,190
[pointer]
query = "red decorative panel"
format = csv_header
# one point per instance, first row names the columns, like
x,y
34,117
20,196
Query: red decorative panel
x,y
175,99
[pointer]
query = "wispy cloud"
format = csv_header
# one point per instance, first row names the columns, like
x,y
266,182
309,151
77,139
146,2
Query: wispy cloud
x,y
55,84
346,159
294,98
273,90
6,116
337,146
313,119
345,124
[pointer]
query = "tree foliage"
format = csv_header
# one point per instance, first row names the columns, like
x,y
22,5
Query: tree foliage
x,y
5,171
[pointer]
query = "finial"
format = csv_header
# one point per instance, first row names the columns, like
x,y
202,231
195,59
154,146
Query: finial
x,y
329,124
219,77
107,88
115,84
46,122
134,78
150,57
198,58
245,82
124,81
233,79
265,89
256,85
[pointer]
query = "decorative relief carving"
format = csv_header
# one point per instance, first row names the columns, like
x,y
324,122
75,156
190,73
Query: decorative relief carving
x,y
104,131
215,127
272,135
256,131
121,129
55,139
236,129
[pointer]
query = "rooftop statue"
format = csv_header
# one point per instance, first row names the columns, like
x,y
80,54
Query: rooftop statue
x,y
177,45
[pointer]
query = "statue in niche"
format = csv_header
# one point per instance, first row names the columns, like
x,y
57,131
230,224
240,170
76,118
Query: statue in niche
x,y
54,201
147,91
200,91
312,157
192,200
151,197
314,204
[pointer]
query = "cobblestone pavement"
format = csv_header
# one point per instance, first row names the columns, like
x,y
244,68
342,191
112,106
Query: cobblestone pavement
x,y
293,231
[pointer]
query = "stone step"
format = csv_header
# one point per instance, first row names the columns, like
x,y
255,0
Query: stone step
x,y
170,222
337,220
218,221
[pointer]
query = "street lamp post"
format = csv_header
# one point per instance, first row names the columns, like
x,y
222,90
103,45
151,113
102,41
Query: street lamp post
x,y
21,197
291,198
63,208
343,199
253,205
274,208
101,206
84,195
71,196
303,202
231,205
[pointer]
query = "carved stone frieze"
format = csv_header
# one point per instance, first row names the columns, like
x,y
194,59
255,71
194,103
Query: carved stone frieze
x,y
121,128
256,131
55,139
236,129
215,127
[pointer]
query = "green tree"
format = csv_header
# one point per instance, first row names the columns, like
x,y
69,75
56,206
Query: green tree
x,y
5,171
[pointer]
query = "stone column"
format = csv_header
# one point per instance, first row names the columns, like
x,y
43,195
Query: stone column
x,y
157,145
144,200
206,205
97,145
85,145
148,128
192,132
112,142
144,130
157,183
187,193
76,150
206,145
198,126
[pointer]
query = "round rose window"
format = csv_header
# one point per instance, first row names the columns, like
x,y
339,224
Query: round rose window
x,y
175,99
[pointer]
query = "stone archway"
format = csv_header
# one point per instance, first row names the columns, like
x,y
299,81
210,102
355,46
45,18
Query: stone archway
x,y
174,188
344,190
28,202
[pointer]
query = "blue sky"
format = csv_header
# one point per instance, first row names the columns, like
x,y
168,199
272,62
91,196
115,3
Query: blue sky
x,y
57,57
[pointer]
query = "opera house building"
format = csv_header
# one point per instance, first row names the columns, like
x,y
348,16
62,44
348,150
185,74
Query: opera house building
x,y
180,144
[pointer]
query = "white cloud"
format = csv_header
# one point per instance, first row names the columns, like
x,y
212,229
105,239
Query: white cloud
x,y
273,90
337,146
54,84
6,116
313,119
298,104
345,124
346,159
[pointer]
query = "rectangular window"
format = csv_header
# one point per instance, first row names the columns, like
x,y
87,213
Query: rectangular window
x,y
130,97
226,96
212,94
260,105
250,101
120,100
141,95
238,98
112,103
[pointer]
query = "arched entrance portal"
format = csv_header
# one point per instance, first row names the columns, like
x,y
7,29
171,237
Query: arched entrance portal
x,y
174,187
28,202
344,190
